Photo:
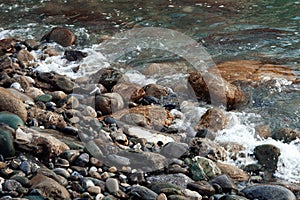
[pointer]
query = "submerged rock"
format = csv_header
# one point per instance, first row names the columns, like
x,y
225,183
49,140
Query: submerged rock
x,y
62,36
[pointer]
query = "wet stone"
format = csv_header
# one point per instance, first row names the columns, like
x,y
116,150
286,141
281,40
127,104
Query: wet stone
x,y
62,36
267,155
73,55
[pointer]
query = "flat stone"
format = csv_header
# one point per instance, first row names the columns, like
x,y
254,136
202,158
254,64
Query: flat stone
x,y
142,192
233,172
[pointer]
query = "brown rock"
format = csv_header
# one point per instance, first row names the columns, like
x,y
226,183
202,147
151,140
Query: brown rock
x,y
286,135
155,90
213,89
62,36
49,187
233,172
129,91
263,131
108,103
252,71
25,57
12,104
214,119
7,45
47,118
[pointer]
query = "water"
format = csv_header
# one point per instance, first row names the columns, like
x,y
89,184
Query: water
x,y
229,30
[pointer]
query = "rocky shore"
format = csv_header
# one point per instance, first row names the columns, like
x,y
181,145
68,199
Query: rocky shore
x,y
103,137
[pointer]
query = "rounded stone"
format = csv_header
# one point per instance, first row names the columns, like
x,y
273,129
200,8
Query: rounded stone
x,y
11,119
44,98
112,185
60,35
268,192
6,141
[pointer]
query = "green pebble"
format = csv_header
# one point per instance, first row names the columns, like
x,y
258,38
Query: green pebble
x,y
44,98
11,119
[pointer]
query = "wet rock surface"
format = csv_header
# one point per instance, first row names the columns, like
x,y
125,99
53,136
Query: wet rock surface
x,y
120,140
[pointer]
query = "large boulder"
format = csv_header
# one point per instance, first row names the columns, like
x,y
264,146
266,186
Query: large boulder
x,y
265,192
62,36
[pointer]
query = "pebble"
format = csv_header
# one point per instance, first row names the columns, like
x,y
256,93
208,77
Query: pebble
x,y
112,185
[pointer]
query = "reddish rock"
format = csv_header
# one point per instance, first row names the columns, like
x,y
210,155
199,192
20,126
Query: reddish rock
x,y
49,188
7,45
213,89
214,119
11,103
233,172
25,58
155,90
129,91
252,71
62,36
108,103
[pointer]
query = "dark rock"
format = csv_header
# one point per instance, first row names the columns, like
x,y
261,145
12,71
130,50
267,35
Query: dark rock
x,y
49,187
174,149
143,193
72,55
178,197
6,141
224,181
31,44
82,160
62,36
267,155
232,197
166,188
202,187
214,119
268,192
7,45
286,135
108,77
57,81
12,104
13,185
135,119
44,98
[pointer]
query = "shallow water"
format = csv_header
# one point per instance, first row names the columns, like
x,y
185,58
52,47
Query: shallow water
x,y
229,30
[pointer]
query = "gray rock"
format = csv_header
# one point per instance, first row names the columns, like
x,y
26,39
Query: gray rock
x,y
224,182
181,180
13,185
142,193
267,192
112,185
202,187
174,149
83,160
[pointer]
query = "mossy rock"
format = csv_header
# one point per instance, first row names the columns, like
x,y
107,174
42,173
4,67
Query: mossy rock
x,y
11,119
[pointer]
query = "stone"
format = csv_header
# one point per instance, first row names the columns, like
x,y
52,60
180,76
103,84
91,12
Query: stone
x,y
112,185
57,81
108,103
268,192
202,187
150,136
233,172
203,169
94,189
62,36
253,71
73,55
13,185
7,45
213,89
224,182
25,58
214,119
193,195
178,197
174,149
82,160
89,111
161,196
44,98
267,155
49,188
155,90
142,192
108,77
11,119
33,92
263,131
12,104
175,179
129,91
286,135
135,119
6,141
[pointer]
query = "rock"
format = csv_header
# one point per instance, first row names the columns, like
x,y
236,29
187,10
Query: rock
x,y
11,119
158,117
202,187
267,155
193,195
13,185
232,197
214,119
23,97
286,135
108,103
72,55
161,196
33,92
213,89
142,192
253,71
155,90
263,131
108,77
203,169
31,44
233,172
129,91
224,182
44,98
57,81
62,36
268,192
112,185
178,197
150,136
6,141
174,149
47,118
207,148
7,45
89,111
12,104
135,119
25,57
180,180
166,188
49,188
